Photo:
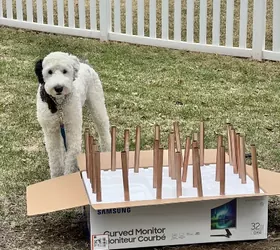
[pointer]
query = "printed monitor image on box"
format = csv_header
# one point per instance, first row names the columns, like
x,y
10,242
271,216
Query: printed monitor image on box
x,y
224,217
161,197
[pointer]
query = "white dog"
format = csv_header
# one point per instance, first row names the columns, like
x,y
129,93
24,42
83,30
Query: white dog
x,y
65,85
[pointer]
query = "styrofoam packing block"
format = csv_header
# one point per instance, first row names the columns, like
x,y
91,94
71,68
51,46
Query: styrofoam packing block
x,y
141,184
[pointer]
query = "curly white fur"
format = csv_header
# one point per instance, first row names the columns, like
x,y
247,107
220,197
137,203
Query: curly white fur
x,y
81,85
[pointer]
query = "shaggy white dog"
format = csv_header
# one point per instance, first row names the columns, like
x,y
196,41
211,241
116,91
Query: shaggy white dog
x,y
65,85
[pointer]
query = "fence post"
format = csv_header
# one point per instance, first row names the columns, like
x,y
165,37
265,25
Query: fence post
x,y
259,28
1,9
276,26
105,19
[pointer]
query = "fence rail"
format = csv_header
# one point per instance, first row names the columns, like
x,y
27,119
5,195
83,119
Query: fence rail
x,y
243,28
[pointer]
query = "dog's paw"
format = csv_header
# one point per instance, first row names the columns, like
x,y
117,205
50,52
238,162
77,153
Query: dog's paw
x,y
105,144
105,148
56,174
71,170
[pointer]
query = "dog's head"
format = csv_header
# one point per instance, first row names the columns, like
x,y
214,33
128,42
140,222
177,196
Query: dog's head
x,y
57,72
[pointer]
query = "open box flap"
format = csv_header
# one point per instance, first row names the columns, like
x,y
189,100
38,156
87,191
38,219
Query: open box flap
x,y
146,159
56,194
269,180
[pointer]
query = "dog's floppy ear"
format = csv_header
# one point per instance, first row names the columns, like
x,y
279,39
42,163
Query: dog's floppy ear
x,y
76,65
38,71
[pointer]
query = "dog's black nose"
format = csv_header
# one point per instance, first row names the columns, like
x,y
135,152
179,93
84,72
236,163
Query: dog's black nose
x,y
58,89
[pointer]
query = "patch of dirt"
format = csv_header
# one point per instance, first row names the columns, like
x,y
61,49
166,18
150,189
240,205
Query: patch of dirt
x,y
61,230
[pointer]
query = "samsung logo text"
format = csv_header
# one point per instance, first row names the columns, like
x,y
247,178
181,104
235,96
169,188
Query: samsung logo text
x,y
114,211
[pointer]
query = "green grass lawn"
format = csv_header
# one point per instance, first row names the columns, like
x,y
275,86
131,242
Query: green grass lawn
x,y
144,86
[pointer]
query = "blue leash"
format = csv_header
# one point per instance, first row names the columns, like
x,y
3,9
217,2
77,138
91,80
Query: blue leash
x,y
62,129
63,134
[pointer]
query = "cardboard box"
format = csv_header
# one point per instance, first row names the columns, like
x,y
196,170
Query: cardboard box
x,y
145,221
179,223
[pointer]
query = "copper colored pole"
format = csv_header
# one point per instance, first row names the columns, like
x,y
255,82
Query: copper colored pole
x,y
137,149
233,146
194,145
87,153
229,143
222,171
255,169
125,175
155,168
242,160
90,165
201,143
113,148
169,155
178,174
159,174
98,176
186,159
237,136
198,172
126,144
92,149
172,152
218,157
156,147
93,169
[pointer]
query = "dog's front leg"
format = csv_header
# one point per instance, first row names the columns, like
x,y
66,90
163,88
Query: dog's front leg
x,y
54,149
96,104
73,142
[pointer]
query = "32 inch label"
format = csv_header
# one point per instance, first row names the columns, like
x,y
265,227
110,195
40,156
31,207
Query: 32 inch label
x,y
257,228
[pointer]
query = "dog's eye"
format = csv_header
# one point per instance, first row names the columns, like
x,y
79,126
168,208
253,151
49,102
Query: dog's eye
x,y
50,72
64,71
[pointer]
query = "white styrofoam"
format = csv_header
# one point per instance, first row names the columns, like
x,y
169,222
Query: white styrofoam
x,y
141,185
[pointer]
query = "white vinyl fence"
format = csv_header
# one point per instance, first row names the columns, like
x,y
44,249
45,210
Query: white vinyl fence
x,y
229,27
